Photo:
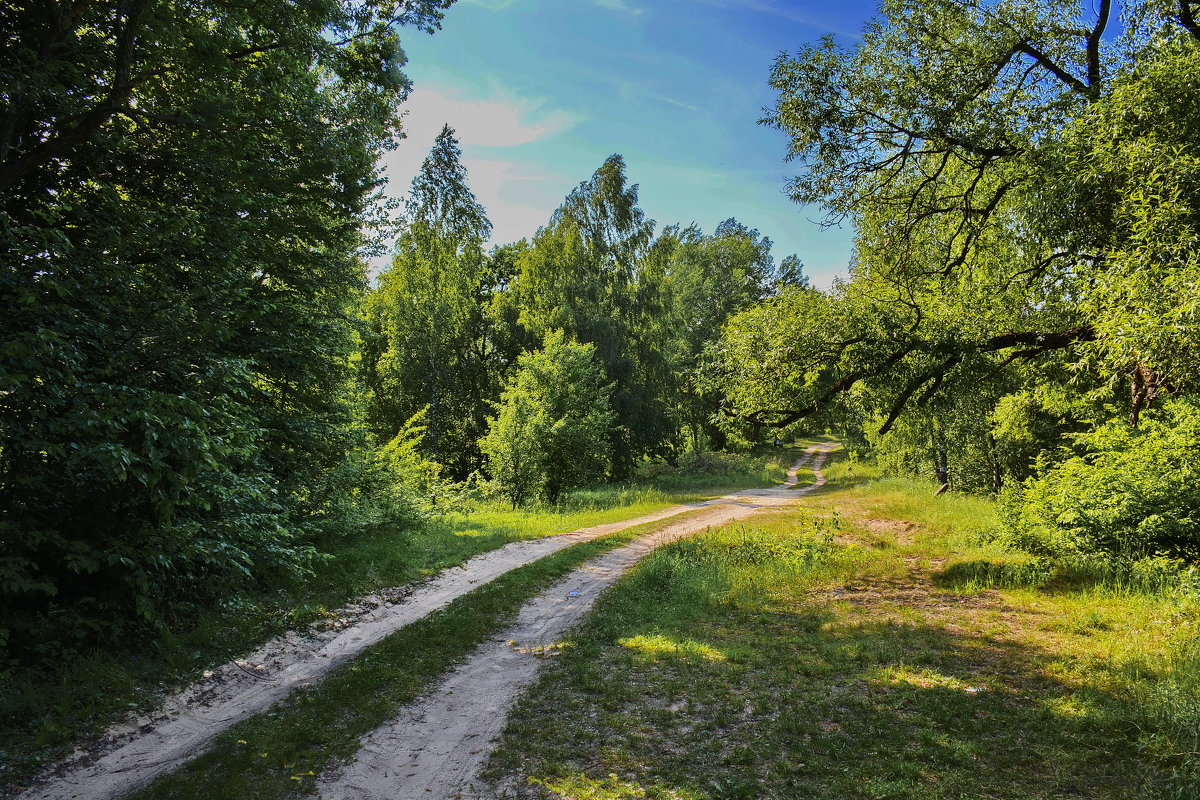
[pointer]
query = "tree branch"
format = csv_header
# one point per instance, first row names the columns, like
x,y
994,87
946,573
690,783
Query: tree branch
x,y
1034,342
1187,18
1093,45
1055,70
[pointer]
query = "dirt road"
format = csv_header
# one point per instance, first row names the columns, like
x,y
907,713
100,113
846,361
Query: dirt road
x,y
134,754
435,747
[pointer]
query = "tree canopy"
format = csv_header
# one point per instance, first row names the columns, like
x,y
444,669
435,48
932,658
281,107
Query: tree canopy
x,y
1017,177
1021,179
182,197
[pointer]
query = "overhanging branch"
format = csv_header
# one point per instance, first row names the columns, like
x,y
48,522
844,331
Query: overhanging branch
x,y
1032,344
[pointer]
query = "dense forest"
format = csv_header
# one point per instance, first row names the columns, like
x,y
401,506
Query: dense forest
x,y
202,387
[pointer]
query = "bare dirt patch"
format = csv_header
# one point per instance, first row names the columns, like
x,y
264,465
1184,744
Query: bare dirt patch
x,y
903,532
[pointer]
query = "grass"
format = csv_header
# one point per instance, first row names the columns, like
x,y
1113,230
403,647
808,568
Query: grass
x,y
874,644
44,712
280,753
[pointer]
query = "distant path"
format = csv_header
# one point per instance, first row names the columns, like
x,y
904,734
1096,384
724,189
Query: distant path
x,y
436,746
132,755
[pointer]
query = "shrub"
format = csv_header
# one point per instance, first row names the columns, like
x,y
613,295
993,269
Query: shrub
x,y
1131,493
553,423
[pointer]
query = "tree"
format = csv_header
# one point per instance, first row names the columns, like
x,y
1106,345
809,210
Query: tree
x,y
703,280
551,431
1013,155
426,316
1023,181
182,196
581,275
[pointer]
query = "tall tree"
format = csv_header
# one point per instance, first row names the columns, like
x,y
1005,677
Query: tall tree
x,y
1023,182
1020,165
181,189
704,280
426,315
580,275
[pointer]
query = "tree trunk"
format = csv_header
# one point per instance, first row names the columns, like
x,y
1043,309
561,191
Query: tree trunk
x,y
997,471
941,458
1143,391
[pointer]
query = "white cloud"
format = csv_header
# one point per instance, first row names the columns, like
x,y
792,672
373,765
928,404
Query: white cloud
x,y
517,193
620,5
629,91
501,119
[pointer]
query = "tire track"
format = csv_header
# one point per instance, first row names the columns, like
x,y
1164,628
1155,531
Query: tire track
x,y
436,746
133,754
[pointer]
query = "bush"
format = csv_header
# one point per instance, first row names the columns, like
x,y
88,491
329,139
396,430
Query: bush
x,y
553,423
1132,493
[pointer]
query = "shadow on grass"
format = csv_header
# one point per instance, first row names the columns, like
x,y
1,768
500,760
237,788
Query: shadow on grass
x,y
807,705
982,574
1067,576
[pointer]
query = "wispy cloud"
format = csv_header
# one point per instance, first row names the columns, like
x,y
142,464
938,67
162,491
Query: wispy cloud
x,y
631,90
783,10
624,6
491,126
491,5
498,119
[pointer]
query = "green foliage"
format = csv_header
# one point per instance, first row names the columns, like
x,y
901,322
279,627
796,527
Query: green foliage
x,y
181,198
581,274
1132,164
703,280
1023,183
553,422
426,346
1129,493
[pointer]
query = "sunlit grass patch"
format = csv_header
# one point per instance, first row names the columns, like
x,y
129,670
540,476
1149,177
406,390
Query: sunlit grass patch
x,y
891,650
580,787
656,647
922,678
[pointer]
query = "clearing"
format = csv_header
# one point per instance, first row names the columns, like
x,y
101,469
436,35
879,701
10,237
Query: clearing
x,y
873,644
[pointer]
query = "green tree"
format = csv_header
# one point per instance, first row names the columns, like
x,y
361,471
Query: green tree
x,y
580,274
1021,180
181,197
553,423
1024,155
429,346
703,280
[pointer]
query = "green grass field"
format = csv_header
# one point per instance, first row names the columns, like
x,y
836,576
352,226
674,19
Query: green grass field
x,y
875,643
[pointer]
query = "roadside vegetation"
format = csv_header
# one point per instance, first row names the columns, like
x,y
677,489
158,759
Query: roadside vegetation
x,y
878,642
43,714
281,753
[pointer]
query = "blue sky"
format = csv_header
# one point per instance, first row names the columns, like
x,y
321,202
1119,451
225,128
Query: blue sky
x,y
542,91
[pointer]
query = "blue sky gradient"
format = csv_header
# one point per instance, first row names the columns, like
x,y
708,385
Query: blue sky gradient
x,y
542,91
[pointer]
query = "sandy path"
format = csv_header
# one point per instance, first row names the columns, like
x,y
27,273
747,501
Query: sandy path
x,y
131,755
436,746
